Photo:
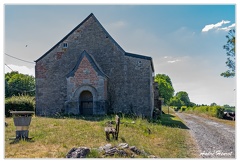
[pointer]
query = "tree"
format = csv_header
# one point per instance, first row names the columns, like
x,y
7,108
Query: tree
x,y
230,48
166,90
213,104
181,99
226,106
183,96
192,104
175,101
19,84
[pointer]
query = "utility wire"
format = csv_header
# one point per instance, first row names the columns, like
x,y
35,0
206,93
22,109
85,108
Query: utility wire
x,y
19,58
8,67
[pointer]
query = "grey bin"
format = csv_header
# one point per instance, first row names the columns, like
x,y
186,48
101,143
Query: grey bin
x,y
22,120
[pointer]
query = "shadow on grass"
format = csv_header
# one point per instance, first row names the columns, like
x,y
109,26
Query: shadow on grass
x,y
168,120
93,117
81,117
17,140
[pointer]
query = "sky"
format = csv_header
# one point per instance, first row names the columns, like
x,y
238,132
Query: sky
x,y
184,41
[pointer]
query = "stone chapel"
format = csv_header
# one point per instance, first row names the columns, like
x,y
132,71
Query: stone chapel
x,y
88,73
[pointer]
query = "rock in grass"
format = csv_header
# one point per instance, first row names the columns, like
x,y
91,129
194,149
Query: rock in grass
x,y
122,153
135,150
111,151
80,152
105,147
123,145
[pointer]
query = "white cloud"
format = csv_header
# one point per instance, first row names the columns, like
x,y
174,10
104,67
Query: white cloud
x,y
227,28
214,26
20,69
173,61
232,26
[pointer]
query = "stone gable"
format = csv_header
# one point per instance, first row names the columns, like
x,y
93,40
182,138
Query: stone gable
x,y
89,64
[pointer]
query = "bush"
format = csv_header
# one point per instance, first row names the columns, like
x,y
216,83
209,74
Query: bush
x,y
19,103
214,111
219,111
183,108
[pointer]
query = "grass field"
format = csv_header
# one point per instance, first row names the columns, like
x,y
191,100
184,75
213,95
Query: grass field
x,y
53,138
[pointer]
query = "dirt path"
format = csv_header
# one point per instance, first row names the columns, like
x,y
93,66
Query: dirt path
x,y
214,139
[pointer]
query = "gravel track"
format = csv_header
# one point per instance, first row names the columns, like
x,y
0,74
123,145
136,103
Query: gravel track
x,y
214,139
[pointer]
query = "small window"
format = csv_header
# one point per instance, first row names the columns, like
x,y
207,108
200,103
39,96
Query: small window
x,y
65,45
139,63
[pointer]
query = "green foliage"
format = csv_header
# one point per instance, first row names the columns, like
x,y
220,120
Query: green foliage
x,y
175,101
183,96
183,108
19,103
230,48
229,108
166,90
192,104
19,84
181,99
214,111
213,104
94,153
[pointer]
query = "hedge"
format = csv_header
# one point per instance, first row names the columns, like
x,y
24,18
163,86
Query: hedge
x,y
214,111
19,103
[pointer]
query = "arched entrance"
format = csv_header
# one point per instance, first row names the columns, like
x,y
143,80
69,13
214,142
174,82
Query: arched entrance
x,y
86,103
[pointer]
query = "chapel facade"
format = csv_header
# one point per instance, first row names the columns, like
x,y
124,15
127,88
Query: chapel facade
x,y
88,73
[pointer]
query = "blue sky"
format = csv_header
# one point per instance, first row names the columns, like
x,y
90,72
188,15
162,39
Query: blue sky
x,y
185,41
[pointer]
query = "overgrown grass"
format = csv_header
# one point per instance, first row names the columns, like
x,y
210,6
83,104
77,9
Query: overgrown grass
x,y
53,138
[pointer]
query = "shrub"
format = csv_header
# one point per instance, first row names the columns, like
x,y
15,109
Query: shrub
x,y
183,108
19,103
219,111
214,111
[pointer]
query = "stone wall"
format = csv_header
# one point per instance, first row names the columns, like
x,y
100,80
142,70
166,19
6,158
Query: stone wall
x,y
52,68
138,86
129,83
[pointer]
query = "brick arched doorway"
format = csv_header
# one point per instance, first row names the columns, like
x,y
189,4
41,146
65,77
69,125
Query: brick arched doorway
x,y
86,103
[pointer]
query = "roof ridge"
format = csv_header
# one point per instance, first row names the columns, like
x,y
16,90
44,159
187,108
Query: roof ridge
x,y
138,56
66,36
108,33
141,57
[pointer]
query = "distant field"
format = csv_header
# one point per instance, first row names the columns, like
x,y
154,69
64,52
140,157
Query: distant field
x,y
53,138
